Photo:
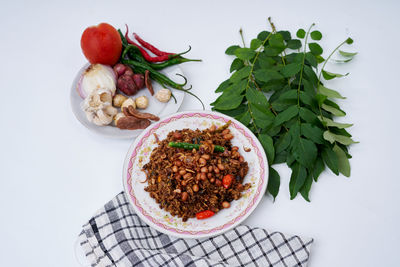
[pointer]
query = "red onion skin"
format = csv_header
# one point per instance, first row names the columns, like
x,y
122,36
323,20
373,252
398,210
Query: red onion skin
x,y
119,69
139,80
126,85
129,71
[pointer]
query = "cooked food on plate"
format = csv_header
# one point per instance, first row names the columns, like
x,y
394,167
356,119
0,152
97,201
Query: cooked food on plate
x,y
196,173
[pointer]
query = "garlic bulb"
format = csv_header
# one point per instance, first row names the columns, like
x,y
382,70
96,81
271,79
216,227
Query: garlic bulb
x,y
97,77
98,107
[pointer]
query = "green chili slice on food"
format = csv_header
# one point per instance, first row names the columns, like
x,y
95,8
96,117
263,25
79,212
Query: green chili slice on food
x,y
189,146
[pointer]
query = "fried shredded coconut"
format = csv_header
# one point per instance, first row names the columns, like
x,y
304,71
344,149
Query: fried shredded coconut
x,y
185,182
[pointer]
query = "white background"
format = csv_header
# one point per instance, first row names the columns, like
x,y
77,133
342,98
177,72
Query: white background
x,y
55,174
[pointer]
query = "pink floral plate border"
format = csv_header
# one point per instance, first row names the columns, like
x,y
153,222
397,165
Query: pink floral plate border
x,y
260,189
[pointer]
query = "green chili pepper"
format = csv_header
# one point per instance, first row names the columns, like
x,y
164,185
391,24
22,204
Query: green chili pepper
x,y
189,146
223,127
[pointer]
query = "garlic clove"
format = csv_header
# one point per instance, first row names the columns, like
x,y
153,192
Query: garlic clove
x,y
104,118
110,110
118,100
127,103
142,102
163,95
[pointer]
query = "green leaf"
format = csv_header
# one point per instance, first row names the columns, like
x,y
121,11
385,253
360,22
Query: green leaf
x,y
236,64
268,145
255,43
311,59
265,61
304,151
329,92
274,181
263,35
288,95
331,137
294,44
301,33
276,41
291,69
244,118
245,53
316,35
282,143
347,54
236,88
231,50
228,101
225,84
272,51
266,75
315,48
286,115
306,98
318,168
312,132
343,161
240,74
286,35
280,157
349,40
256,97
307,115
334,111
305,189
263,117
312,77
319,59
330,159
297,179
331,123
330,75
320,98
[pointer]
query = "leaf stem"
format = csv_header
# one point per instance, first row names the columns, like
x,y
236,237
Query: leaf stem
x,y
251,75
327,59
319,77
241,35
302,65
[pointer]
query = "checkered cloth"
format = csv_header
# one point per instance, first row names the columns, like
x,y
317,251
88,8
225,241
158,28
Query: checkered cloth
x,y
116,236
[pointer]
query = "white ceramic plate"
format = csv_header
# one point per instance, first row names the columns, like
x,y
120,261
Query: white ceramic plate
x,y
148,209
155,107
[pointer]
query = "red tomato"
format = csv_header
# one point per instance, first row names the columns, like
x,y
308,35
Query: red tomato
x,y
204,214
227,180
101,44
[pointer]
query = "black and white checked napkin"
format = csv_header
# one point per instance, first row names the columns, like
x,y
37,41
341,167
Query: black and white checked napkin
x,y
116,236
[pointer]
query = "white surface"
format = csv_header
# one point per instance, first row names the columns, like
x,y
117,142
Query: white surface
x,y
55,173
150,212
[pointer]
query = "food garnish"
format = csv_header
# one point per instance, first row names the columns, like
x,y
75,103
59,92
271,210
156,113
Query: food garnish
x,y
205,214
294,121
189,146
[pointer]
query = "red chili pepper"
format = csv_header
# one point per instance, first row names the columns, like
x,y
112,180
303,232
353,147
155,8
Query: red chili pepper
x,y
227,181
147,57
149,46
204,214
